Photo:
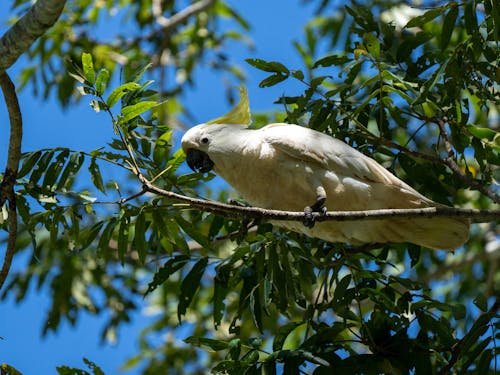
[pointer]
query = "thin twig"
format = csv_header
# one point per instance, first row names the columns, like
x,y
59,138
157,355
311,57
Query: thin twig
x,y
229,210
168,24
450,162
9,179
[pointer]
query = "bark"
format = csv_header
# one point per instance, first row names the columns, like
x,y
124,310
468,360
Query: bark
x,y
19,38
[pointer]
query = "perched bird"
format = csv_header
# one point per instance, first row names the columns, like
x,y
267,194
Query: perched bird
x,y
290,167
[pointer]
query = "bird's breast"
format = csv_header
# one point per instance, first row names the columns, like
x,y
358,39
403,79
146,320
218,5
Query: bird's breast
x,y
265,180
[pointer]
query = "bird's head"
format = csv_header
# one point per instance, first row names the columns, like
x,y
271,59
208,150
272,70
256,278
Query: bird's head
x,y
201,141
195,144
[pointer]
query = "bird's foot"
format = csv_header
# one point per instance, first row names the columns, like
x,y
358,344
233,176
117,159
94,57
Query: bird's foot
x,y
318,206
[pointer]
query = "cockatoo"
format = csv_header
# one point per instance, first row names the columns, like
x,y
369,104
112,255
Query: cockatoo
x,y
293,168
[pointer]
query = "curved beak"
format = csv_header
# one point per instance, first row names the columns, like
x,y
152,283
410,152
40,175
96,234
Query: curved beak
x,y
199,161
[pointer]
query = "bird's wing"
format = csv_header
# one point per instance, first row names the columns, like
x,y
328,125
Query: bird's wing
x,y
327,152
334,155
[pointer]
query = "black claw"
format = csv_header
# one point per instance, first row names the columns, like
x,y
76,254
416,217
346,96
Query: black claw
x,y
234,202
318,206
308,217
309,220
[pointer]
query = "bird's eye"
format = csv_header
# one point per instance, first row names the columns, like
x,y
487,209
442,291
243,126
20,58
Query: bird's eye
x,y
204,140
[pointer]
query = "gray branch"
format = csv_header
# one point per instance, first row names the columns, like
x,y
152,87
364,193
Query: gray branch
x,y
171,23
18,39
229,210
7,192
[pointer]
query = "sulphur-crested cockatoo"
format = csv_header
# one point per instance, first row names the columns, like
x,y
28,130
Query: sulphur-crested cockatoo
x,y
290,167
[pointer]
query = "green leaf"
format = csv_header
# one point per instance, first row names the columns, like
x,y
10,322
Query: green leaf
x,y
77,77
316,81
331,60
72,167
481,302
481,133
123,235
9,370
283,333
192,232
448,26
170,267
121,90
484,362
428,16
106,236
41,166
190,285
372,45
439,327
90,234
95,175
234,349
478,329
140,236
341,288
268,66
215,345
470,18
132,111
273,80
221,290
29,161
96,370
140,73
474,352
53,171
88,68
428,85
65,370
255,309
414,253
102,81
298,74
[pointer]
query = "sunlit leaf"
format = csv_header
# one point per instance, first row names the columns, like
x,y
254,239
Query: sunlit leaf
x,y
102,81
120,91
132,111
88,68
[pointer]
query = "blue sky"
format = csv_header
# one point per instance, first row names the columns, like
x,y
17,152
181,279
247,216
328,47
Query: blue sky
x,y
274,24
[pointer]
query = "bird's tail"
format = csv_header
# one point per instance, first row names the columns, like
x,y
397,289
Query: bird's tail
x,y
437,232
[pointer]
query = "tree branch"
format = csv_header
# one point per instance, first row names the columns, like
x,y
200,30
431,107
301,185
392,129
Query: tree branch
x,y
37,20
450,162
9,178
229,210
168,24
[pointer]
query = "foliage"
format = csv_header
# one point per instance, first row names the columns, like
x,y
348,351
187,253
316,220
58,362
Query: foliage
x,y
267,300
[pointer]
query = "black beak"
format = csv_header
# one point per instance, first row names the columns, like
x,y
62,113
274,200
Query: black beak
x,y
199,161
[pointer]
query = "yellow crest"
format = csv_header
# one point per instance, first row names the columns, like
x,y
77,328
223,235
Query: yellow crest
x,y
239,115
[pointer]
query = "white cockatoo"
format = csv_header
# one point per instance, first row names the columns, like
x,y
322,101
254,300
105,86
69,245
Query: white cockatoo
x,y
293,168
